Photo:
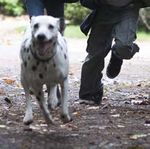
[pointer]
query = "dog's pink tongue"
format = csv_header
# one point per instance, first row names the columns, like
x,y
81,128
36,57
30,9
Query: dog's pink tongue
x,y
43,48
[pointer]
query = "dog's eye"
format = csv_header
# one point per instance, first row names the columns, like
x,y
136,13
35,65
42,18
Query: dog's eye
x,y
36,26
50,26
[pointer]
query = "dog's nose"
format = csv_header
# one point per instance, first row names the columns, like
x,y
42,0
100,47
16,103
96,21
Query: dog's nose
x,y
41,37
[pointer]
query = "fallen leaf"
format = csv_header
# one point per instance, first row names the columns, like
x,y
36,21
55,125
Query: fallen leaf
x,y
43,125
78,114
115,115
136,102
19,85
13,114
34,127
102,127
136,136
120,126
2,126
132,96
69,126
9,81
93,108
105,106
140,102
2,92
147,125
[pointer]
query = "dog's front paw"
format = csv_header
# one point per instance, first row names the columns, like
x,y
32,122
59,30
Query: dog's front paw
x,y
53,104
28,120
66,118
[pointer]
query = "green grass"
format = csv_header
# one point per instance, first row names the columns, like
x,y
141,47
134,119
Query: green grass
x,y
73,31
20,29
143,36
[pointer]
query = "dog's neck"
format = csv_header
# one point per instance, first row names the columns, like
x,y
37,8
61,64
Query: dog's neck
x,y
43,59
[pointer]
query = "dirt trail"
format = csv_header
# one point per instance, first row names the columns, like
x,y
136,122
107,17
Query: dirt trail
x,y
122,121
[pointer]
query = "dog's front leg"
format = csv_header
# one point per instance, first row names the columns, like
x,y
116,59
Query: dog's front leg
x,y
28,119
43,105
52,96
64,111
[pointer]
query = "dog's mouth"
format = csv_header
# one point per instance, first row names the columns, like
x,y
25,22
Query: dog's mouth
x,y
44,47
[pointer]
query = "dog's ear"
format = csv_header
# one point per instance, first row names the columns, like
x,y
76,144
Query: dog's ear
x,y
32,18
58,23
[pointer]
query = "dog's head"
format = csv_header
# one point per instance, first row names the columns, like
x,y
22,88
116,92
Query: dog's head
x,y
44,34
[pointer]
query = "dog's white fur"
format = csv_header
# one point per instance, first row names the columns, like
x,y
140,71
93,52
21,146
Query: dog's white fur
x,y
44,61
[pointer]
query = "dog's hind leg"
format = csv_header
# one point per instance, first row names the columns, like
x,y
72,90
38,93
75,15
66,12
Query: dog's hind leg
x,y
43,105
52,96
64,111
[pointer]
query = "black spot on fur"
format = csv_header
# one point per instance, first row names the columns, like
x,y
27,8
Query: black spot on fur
x,y
34,68
28,57
37,63
54,65
41,76
54,43
65,78
31,93
45,68
39,93
28,50
38,98
48,61
25,63
65,56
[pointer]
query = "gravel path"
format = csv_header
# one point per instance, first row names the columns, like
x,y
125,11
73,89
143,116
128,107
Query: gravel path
x,y
122,121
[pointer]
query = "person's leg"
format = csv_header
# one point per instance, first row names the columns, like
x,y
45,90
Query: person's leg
x,y
124,47
34,7
56,9
99,44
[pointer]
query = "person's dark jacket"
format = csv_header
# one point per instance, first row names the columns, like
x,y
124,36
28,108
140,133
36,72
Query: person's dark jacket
x,y
96,4
69,1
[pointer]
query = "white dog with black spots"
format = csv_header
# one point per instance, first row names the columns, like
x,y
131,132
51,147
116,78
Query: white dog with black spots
x,y
45,62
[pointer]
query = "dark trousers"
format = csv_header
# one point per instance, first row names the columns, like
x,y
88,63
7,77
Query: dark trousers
x,y
123,31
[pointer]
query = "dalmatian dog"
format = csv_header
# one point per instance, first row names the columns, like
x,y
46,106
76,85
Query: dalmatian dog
x,y
44,61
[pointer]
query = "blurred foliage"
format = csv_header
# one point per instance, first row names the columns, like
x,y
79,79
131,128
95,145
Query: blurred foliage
x,y
75,13
144,19
11,7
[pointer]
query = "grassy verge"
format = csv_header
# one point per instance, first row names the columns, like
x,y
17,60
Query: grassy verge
x,y
143,36
73,31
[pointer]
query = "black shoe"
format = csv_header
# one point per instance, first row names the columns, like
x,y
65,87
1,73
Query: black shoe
x,y
94,99
114,66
